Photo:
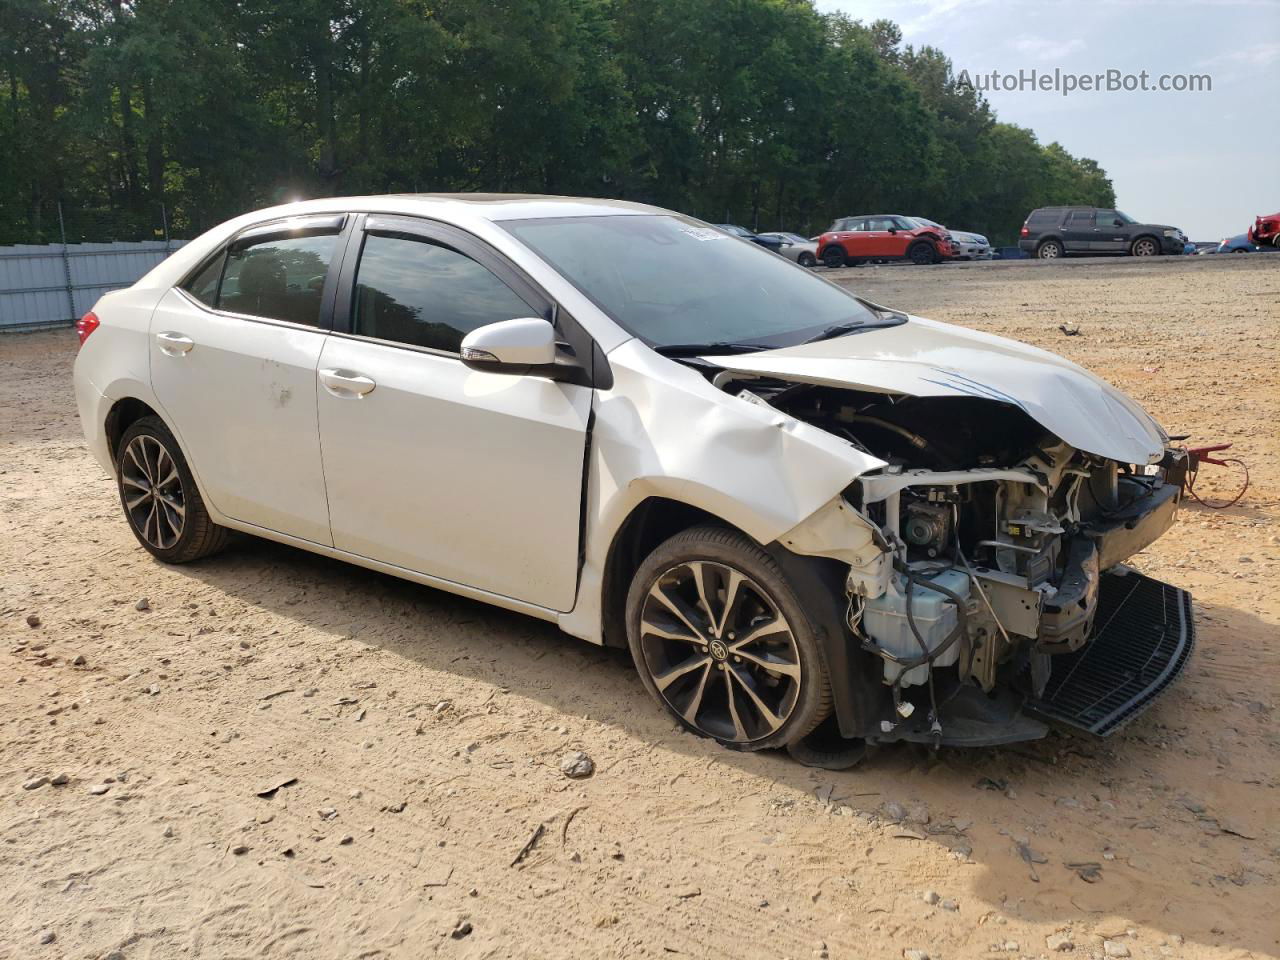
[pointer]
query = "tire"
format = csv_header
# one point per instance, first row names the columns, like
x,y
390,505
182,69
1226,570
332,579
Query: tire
x,y
173,525
721,689
1145,247
833,257
824,747
923,252
808,260
1050,250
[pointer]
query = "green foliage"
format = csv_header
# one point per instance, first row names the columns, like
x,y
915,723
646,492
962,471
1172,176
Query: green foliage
x,y
763,112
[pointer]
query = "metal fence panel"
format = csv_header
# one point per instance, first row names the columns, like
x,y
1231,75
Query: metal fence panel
x,y
49,284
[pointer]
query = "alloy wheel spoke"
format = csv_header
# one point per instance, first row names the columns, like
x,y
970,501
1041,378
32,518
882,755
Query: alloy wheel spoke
x,y
699,571
675,606
732,590
767,629
170,520
784,667
668,677
650,629
134,502
739,731
135,482
139,461
766,712
690,712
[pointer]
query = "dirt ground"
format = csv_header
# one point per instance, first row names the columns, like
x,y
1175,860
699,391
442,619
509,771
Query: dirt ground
x,y
419,734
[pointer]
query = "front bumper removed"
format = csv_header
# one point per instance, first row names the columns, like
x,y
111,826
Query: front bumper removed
x,y
1142,638
1143,635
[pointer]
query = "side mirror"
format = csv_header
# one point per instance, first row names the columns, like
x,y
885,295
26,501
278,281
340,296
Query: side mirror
x,y
1117,222
893,229
511,346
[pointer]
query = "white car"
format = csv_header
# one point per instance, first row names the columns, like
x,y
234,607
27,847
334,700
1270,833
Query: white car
x,y
815,521
970,246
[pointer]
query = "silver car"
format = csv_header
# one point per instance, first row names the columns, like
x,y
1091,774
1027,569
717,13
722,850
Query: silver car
x,y
970,246
797,248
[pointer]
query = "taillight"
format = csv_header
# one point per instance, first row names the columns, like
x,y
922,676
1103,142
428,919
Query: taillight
x,y
86,325
1025,231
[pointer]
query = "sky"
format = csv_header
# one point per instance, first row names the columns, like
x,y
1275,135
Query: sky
x,y
1207,162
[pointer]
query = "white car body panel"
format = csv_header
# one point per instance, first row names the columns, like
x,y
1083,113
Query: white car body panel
x,y
925,358
470,477
664,431
242,402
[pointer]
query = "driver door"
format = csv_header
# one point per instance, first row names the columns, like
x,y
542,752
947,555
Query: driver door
x,y
467,476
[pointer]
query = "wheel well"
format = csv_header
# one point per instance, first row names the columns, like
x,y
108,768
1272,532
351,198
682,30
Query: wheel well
x,y
1049,239
123,414
651,523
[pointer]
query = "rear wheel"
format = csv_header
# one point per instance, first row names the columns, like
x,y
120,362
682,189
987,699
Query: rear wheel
x,y
1049,250
833,256
159,496
720,639
1145,247
923,252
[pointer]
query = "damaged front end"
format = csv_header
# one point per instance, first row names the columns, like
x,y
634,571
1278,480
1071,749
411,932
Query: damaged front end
x,y
983,586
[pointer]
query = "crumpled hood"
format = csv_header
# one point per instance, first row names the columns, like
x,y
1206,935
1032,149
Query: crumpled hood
x,y
926,358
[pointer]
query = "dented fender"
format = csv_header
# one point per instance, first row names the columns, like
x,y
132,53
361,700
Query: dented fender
x,y
663,430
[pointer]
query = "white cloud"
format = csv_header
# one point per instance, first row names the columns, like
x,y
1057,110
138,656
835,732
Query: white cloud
x,y
1258,55
1044,48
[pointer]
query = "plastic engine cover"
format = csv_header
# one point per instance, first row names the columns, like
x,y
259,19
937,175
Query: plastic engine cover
x,y
884,620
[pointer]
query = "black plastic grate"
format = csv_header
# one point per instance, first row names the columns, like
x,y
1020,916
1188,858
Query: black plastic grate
x,y
1143,635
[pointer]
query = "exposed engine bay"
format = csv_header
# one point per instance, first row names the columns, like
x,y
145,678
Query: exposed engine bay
x,y
989,541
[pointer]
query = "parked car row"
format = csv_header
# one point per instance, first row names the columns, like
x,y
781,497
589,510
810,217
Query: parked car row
x,y
874,238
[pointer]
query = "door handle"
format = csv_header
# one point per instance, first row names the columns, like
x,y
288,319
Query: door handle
x,y
345,384
174,344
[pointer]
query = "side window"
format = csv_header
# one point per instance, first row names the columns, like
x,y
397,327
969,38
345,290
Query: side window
x,y
1107,218
1080,218
204,284
280,278
902,224
426,295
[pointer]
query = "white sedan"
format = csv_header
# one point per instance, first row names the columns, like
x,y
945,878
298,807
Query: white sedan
x,y
797,248
815,521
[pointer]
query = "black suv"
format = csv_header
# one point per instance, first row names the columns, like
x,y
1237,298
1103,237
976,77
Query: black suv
x,y
1052,232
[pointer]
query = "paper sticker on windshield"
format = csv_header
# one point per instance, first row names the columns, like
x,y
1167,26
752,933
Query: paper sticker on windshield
x,y
703,233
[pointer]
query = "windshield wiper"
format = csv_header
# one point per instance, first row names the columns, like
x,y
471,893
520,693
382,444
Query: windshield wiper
x,y
693,349
886,317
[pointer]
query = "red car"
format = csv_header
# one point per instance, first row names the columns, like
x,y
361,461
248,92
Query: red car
x,y
854,240
1265,231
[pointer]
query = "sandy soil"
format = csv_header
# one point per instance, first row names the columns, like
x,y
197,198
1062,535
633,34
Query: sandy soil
x,y
424,731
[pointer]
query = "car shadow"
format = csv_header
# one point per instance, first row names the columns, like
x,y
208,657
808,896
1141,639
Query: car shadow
x,y
1146,829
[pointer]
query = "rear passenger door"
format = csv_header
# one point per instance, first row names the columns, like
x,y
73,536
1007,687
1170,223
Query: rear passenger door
x,y
234,351
1078,231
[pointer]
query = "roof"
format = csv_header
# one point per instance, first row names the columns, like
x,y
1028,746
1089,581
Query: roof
x,y
487,206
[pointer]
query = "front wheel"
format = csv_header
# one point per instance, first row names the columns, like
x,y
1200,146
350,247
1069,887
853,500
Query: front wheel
x,y
923,253
833,257
720,639
159,496
1145,247
808,260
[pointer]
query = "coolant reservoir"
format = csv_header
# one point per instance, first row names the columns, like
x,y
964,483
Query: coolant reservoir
x,y
884,620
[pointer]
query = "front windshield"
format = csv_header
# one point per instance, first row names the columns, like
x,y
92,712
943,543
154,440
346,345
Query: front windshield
x,y
670,280
1125,217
